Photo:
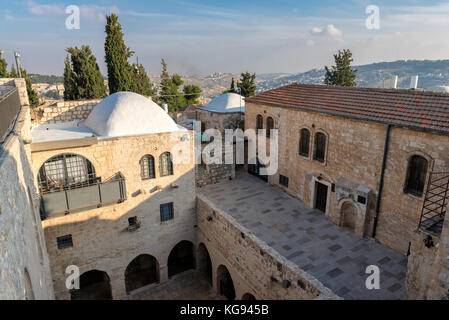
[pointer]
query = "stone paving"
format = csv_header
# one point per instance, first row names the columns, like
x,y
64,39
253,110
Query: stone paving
x,y
305,236
189,285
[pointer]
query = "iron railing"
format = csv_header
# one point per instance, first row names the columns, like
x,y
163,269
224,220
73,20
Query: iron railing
x,y
9,110
435,202
83,196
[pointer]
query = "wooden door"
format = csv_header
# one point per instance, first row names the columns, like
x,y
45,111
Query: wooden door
x,y
320,196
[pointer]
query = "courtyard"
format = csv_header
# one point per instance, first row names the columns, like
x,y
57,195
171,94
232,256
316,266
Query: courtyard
x,y
305,236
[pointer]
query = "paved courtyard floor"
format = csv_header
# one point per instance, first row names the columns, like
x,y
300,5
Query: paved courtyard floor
x,y
189,285
305,236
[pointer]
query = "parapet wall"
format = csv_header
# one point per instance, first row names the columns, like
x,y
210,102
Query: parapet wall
x,y
63,111
254,266
24,264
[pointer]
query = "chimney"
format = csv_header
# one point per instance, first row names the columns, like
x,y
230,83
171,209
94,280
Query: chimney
x,y
394,82
414,82
165,107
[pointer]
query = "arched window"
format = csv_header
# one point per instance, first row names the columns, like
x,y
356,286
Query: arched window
x,y
165,164
259,122
147,167
270,125
65,171
416,175
304,142
319,150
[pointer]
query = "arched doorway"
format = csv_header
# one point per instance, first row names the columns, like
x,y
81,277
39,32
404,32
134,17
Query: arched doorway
x,y
248,296
180,258
254,169
349,216
225,285
94,285
142,271
204,262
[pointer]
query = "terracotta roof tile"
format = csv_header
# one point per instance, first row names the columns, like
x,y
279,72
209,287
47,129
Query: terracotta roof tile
x,y
401,107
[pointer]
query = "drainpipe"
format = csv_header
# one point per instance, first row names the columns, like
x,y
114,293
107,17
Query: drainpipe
x,y
381,182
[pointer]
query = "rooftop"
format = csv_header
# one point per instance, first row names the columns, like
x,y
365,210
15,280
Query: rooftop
x,y
421,110
226,102
305,236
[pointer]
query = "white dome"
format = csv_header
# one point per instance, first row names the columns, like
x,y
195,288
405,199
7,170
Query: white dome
x,y
227,102
126,114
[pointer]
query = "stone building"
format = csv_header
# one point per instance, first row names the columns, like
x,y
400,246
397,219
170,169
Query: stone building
x,y
117,202
362,156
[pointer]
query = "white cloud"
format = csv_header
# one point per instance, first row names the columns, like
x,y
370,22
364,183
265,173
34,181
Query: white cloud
x,y
330,30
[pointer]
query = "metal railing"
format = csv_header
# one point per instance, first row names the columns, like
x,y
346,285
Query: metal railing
x,y
9,111
83,196
435,202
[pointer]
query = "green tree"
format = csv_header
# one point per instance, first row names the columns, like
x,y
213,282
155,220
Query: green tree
x,y
142,82
69,81
120,71
3,68
13,73
191,94
247,84
232,88
87,78
169,90
32,95
341,74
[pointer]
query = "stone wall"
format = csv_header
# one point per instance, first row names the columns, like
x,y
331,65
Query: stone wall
x,y
428,266
254,266
101,240
9,84
354,152
24,264
63,111
220,120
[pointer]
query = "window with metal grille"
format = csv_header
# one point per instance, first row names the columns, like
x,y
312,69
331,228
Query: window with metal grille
x,y
259,123
64,241
416,175
270,125
166,211
283,180
65,171
165,164
304,142
147,167
319,150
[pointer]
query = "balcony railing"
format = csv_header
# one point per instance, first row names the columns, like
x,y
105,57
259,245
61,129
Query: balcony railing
x,y
84,196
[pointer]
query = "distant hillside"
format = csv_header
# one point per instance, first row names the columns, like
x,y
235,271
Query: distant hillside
x,y
41,78
433,75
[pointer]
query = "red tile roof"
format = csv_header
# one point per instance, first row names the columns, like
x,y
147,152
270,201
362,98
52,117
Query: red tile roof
x,y
422,110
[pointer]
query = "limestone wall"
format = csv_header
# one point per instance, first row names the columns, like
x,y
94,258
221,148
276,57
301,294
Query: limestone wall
x,y
24,264
63,111
218,120
254,266
8,84
101,240
354,152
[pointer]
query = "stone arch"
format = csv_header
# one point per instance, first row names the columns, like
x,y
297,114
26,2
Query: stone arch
x,y
349,215
141,271
94,285
248,296
29,293
225,285
204,264
181,258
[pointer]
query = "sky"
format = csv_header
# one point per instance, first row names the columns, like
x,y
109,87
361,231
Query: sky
x,y
207,36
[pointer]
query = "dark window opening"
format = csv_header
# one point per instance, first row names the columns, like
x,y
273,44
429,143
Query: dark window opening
x,y
416,175
304,142
259,123
283,180
64,242
165,164
319,151
166,211
147,167
361,199
270,125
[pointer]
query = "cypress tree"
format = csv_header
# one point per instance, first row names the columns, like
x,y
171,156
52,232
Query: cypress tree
x,y
3,68
87,77
69,81
120,72
169,90
247,85
32,95
142,85
232,89
13,73
341,74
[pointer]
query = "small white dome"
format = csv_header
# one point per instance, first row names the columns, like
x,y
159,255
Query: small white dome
x,y
227,102
127,114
